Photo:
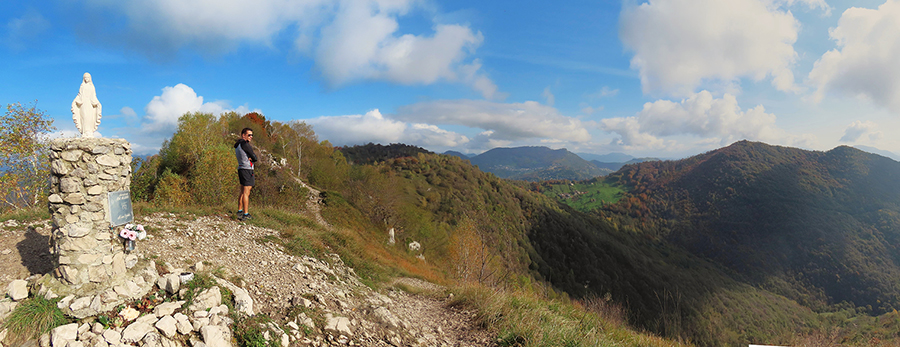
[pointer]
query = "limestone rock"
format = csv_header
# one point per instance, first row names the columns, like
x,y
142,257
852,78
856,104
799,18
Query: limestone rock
x,y
59,168
338,325
97,328
77,230
44,340
220,310
167,308
147,319
305,320
386,317
17,290
208,298
112,337
107,160
173,283
6,307
183,324
80,303
61,335
75,199
55,199
166,325
243,302
135,332
130,261
83,328
216,336
152,339
129,314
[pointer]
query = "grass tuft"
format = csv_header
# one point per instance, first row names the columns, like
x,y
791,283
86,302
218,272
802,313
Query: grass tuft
x,y
31,318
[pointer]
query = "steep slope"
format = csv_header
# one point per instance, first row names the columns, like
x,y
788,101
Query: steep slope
x,y
444,203
535,164
819,228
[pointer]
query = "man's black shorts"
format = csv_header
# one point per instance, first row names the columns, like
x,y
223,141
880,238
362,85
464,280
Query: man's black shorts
x,y
246,177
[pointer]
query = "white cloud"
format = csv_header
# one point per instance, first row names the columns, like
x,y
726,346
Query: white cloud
x,y
507,121
865,62
432,136
680,44
163,111
350,40
128,112
702,116
374,127
358,129
867,130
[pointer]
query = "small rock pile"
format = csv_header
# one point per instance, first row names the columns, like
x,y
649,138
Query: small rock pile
x,y
206,325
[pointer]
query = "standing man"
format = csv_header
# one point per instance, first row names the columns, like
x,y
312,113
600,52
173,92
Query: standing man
x,y
245,157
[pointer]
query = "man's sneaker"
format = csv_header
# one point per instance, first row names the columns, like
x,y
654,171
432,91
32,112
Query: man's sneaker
x,y
245,216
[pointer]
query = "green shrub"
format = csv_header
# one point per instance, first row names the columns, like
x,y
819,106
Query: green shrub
x,y
248,332
171,191
144,179
213,178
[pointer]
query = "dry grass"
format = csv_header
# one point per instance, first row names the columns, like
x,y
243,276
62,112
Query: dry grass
x,y
522,319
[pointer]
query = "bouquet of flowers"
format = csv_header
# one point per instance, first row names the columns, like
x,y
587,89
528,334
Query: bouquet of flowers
x,y
133,232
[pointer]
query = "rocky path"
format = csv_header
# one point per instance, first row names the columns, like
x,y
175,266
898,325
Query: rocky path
x,y
350,313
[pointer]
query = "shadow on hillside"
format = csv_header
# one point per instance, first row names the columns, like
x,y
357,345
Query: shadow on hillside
x,y
35,252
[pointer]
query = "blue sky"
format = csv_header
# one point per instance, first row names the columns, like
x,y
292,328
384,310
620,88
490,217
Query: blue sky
x,y
664,78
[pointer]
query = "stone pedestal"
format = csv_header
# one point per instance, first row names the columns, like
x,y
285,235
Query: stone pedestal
x,y
83,171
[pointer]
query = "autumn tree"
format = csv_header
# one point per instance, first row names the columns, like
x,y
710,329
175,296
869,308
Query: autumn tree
x,y
24,165
303,134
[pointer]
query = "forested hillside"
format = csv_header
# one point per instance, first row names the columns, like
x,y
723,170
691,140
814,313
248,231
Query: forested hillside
x,y
821,228
811,236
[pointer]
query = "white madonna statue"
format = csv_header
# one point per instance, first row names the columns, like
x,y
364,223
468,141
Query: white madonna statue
x,y
86,109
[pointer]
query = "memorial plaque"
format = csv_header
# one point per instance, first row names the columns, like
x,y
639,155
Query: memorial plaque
x,y
120,208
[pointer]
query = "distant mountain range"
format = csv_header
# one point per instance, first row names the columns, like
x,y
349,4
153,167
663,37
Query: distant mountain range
x,y
880,152
542,163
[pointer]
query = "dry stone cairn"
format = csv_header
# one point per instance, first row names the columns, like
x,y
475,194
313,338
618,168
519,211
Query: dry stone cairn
x,y
83,171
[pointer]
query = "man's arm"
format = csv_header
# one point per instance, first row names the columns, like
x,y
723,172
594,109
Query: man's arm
x,y
249,150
